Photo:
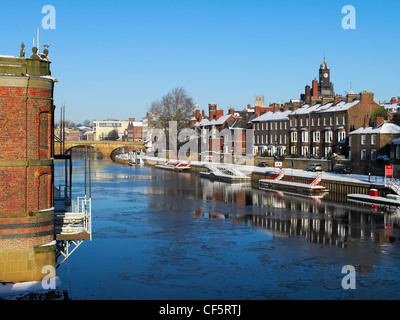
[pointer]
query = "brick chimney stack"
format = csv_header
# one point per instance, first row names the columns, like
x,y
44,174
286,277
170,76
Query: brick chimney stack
x,y
379,120
315,88
366,121
212,110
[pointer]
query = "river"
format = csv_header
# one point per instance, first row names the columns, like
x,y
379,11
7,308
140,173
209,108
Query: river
x,y
172,236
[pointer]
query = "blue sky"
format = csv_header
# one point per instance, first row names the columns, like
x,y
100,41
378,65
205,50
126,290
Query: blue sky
x,y
113,58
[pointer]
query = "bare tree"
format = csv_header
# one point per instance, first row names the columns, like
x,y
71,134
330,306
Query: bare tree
x,y
174,106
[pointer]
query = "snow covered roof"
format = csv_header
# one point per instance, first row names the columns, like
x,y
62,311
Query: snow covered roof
x,y
385,128
213,122
273,116
340,106
204,122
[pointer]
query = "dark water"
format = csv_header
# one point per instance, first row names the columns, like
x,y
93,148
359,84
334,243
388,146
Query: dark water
x,y
165,235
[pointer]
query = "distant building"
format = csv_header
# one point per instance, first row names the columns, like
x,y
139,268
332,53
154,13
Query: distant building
x,y
104,127
134,132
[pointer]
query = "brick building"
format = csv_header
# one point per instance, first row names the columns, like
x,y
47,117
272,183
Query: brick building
x,y
320,130
271,132
371,145
216,124
26,166
134,132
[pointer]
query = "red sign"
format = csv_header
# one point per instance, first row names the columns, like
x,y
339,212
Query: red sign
x,y
389,171
278,164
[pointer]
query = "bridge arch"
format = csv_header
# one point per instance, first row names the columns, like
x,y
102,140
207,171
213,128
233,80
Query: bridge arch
x,y
122,149
108,148
90,149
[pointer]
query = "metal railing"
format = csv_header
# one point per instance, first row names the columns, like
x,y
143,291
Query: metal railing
x,y
83,205
394,185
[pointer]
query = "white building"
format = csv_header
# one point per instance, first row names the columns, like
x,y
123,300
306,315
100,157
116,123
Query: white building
x,y
104,127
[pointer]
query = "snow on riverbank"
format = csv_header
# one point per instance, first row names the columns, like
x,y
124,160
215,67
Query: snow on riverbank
x,y
352,178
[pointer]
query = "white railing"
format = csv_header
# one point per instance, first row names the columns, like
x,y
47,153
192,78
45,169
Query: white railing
x,y
394,185
83,206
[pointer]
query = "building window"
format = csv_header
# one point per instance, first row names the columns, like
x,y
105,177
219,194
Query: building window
x,y
373,139
312,122
373,154
349,141
294,136
304,136
328,136
341,136
316,152
363,154
290,122
398,152
344,120
328,152
363,139
306,122
316,136
331,120
301,122
324,121
319,121
337,120
304,151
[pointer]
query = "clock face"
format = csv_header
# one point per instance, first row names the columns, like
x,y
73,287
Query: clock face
x,y
325,75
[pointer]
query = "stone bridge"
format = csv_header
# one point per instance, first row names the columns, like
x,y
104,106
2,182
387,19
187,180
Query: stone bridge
x,y
105,147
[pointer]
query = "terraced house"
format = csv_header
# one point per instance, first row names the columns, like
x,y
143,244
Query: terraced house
x,y
320,130
315,130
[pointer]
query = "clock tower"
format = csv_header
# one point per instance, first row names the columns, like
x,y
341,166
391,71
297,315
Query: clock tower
x,y
325,86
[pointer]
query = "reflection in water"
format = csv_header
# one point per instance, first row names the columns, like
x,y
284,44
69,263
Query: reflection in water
x,y
289,214
166,235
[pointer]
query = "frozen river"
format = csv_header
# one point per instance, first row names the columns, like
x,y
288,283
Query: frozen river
x,y
165,235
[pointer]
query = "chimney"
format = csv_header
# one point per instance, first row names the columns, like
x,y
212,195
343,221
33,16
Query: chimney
x,y
338,98
219,114
257,111
307,94
378,121
212,110
131,119
203,114
366,121
366,96
231,111
315,88
393,100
